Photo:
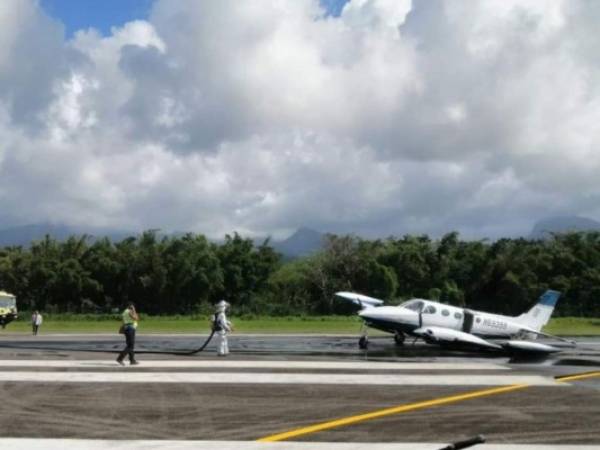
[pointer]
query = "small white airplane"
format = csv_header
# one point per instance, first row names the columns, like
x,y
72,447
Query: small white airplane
x,y
447,325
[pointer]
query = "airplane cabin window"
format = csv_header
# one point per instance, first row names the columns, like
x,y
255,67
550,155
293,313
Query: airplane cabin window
x,y
414,305
457,315
477,319
445,312
429,310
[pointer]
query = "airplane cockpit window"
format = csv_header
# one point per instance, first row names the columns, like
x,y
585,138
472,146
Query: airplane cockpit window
x,y
429,310
414,305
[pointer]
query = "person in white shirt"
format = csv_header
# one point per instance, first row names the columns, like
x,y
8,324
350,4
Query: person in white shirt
x,y
36,321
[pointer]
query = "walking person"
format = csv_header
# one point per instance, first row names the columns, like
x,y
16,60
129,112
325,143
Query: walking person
x,y
222,326
130,319
36,321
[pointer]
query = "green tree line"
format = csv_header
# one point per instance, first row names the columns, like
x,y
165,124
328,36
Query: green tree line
x,y
186,274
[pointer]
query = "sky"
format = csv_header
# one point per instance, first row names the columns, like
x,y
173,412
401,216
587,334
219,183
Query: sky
x,y
101,15
374,117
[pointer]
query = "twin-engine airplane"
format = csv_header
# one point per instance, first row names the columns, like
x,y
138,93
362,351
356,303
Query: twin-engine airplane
x,y
447,325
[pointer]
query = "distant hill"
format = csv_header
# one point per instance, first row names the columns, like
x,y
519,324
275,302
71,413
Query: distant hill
x,y
303,242
25,234
562,224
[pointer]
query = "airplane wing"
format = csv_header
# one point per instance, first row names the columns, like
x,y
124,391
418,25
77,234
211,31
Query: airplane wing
x,y
358,299
439,335
529,347
447,336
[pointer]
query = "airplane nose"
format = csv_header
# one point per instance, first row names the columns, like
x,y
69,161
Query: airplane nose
x,y
388,314
365,314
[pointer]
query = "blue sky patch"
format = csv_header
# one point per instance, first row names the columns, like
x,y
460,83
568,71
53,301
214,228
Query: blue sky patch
x,y
334,7
104,14
98,14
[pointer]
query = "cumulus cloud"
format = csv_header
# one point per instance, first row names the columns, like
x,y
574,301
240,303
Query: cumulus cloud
x,y
261,116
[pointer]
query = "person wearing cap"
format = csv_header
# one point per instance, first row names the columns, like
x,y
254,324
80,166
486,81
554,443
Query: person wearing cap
x,y
130,319
222,326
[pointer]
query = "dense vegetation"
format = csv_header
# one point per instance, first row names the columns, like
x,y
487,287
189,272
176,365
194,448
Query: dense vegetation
x,y
184,275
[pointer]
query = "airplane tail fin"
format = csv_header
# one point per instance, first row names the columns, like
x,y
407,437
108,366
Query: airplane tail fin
x,y
539,315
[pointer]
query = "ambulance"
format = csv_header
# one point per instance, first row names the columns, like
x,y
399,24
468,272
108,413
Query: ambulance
x,y
8,308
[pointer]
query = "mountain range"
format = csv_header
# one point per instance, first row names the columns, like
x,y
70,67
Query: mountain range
x,y
301,243
562,224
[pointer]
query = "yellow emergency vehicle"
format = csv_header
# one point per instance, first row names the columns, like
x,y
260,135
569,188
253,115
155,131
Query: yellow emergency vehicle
x,y
8,308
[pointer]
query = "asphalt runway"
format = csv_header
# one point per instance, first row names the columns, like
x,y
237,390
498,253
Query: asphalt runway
x,y
329,346
294,392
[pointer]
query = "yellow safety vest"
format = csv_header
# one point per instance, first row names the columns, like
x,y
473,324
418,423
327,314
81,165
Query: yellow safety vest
x,y
127,319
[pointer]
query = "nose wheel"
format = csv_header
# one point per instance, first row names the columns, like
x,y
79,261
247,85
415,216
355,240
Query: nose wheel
x,y
399,338
363,343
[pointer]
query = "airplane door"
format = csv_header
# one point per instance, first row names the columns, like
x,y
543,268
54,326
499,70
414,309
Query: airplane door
x,y
467,321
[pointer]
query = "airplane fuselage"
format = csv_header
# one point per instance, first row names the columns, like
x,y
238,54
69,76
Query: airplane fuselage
x,y
419,313
446,325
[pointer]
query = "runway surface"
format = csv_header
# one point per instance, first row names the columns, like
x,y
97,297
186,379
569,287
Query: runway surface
x,y
61,444
291,392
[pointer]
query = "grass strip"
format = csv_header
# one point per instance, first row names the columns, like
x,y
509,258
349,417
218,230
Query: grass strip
x,y
564,326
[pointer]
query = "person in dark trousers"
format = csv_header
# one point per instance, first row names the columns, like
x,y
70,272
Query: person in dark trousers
x,y
130,320
36,321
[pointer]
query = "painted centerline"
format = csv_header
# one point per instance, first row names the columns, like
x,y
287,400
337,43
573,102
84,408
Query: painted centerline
x,y
581,376
388,412
411,407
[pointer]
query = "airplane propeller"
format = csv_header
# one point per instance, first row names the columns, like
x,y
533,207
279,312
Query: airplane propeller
x,y
479,439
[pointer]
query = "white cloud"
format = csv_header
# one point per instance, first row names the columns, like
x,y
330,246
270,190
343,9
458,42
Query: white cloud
x,y
261,116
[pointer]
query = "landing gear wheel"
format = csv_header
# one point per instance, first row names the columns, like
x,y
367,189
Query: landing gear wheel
x,y
399,338
363,343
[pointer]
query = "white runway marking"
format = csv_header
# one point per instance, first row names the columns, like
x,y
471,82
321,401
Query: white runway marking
x,y
126,376
85,444
233,364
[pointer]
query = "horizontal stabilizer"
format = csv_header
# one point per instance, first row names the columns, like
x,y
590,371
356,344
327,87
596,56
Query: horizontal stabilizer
x,y
358,299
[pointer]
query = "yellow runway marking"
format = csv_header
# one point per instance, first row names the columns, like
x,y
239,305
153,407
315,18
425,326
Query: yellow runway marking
x,y
411,407
389,411
581,376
